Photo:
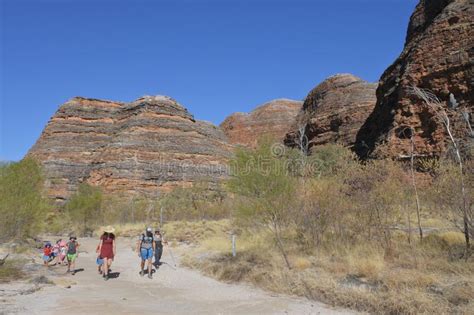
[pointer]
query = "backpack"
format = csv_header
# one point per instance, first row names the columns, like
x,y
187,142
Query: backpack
x,y
71,248
146,241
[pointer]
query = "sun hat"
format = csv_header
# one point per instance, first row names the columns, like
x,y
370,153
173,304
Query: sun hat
x,y
149,229
109,229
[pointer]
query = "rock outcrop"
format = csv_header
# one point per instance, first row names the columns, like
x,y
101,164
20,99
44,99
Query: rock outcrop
x,y
144,147
438,56
272,119
333,112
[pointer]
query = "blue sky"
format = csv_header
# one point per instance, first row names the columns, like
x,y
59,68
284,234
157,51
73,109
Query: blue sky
x,y
214,57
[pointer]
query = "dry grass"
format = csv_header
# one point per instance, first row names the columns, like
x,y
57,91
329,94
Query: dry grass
x,y
415,279
10,271
179,231
300,263
195,232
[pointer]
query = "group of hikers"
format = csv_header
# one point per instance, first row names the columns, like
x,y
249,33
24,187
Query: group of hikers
x,y
62,253
149,246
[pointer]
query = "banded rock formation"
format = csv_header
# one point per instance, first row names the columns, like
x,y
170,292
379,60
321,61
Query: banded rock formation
x,y
144,147
333,112
272,119
438,56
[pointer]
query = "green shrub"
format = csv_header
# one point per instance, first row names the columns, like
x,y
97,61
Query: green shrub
x,y
85,208
201,201
22,206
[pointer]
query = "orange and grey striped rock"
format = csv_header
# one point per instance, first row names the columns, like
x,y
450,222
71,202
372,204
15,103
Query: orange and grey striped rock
x,y
272,119
334,111
438,56
144,147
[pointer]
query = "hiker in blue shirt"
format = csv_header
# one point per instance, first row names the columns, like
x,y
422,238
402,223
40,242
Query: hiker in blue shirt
x,y
145,249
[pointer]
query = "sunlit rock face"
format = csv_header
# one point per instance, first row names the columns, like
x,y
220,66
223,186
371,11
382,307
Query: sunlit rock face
x,y
334,111
438,56
145,147
271,120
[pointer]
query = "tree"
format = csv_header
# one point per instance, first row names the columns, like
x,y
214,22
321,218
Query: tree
x,y
437,107
85,208
265,190
22,205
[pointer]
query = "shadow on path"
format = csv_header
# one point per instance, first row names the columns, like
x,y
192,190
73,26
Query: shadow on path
x,y
114,275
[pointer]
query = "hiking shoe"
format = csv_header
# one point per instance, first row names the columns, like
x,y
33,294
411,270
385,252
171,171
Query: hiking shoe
x,y
106,277
142,273
150,276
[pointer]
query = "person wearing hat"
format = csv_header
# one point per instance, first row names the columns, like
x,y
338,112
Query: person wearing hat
x,y
145,249
107,250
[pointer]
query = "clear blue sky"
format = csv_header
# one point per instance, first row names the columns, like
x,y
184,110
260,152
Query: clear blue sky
x,y
214,57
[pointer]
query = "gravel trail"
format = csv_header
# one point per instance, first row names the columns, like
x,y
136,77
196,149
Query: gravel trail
x,y
172,291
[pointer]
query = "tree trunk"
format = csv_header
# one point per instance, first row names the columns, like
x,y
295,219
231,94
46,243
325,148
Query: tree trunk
x,y
280,244
417,199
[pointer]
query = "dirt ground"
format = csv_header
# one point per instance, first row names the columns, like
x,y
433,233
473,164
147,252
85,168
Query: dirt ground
x,y
171,291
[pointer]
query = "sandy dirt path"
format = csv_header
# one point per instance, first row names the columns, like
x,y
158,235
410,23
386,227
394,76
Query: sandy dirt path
x,y
180,291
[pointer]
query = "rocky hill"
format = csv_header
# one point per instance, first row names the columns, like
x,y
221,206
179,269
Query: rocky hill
x,y
144,147
334,111
271,119
438,56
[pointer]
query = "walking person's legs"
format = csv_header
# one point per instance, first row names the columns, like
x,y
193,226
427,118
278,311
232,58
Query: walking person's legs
x,y
158,253
142,267
105,268
150,263
68,264
73,264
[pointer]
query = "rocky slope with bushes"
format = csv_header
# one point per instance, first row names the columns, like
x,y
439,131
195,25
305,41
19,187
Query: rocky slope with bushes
x,y
144,147
438,56
272,119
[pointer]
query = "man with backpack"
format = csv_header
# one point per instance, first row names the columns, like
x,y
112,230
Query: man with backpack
x,y
145,249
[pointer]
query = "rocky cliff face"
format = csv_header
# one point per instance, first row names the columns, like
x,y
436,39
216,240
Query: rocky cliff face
x,y
272,119
144,147
334,111
438,56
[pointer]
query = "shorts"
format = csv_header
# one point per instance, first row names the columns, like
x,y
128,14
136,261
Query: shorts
x,y
71,257
47,258
146,253
99,261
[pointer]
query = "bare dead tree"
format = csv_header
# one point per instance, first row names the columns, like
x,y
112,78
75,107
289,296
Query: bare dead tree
x,y
302,140
437,106
415,187
409,132
466,115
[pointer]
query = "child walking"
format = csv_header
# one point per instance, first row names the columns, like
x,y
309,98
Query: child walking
x,y
47,254
72,246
